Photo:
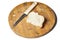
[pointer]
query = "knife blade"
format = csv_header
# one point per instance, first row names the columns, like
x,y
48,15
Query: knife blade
x,y
25,13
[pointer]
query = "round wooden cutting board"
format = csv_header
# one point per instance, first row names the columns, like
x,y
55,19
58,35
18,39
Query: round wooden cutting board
x,y
28,30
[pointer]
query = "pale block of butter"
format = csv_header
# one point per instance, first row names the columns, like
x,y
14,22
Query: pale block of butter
x,y
35,19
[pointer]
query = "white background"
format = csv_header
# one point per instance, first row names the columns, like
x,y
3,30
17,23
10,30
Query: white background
x,y
7,34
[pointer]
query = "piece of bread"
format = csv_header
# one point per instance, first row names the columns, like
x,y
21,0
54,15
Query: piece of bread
x,y
35,19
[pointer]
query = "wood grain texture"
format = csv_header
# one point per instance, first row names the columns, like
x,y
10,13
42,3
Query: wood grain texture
x,y
28,30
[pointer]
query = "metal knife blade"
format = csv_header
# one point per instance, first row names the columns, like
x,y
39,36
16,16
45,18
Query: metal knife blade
x,y
25,13
20,18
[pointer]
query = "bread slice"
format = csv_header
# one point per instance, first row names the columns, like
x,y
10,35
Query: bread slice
x,y
35,19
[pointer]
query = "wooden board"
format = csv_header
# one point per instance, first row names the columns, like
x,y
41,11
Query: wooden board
x,y
28,30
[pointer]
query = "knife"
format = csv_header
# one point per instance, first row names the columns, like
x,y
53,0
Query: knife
x,y
25,13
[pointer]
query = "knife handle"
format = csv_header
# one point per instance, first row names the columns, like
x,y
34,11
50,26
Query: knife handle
x,y
30,8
